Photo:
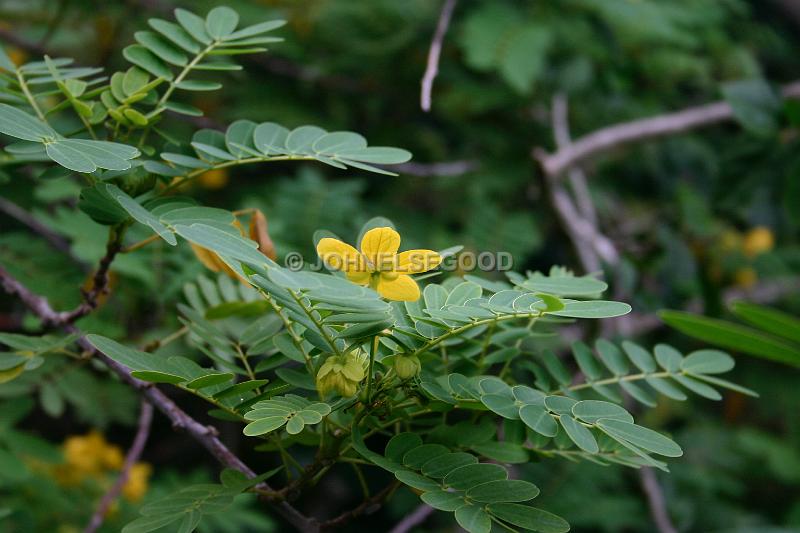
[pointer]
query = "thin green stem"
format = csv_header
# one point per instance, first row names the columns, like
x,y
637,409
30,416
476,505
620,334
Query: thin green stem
x,y
310,314
617,379
361,480
373,350
296,339
185,72
517,344
265,159
140,244
461,329
247,367
24,86
486,341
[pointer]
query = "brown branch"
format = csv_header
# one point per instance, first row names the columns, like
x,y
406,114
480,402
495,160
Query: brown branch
x,y
135,451
417,517
655,500
590,245
100,281
207,436
618,135
577,177
432,68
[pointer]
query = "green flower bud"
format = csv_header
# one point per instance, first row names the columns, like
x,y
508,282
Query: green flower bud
x,y
342,374
406,366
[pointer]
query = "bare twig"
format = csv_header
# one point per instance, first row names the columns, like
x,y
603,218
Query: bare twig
x,y
581,224
369,506
133,455
417,517
207,436
434,52
91,297
577,177
655,500
590,245
618,135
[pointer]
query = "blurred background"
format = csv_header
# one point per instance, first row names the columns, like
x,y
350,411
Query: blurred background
x,y
693,220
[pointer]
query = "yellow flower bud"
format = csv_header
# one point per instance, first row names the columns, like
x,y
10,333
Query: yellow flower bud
x,y
757,241
214,179
406,366
342,373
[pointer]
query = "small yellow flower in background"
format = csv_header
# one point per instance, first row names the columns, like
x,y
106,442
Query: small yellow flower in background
x,y
378,264
758,241
257,231
17,56
91,457
214,179
90,454
342,373
136,485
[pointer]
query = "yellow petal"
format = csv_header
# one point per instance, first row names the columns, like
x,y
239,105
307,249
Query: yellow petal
x,y
340,256
380,246
212,262
401,288
207,257
359,277
417,261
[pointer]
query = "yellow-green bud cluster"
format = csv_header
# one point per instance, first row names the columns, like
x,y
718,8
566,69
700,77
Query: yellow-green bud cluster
x,y
342,373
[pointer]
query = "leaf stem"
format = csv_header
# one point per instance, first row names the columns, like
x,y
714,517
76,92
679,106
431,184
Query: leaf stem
x,y
617,379
31,99
373,350
140,244
181,180
310,314
459,330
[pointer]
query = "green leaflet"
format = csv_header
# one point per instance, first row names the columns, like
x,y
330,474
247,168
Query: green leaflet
x,y
190,504
734,336
292,411
249,142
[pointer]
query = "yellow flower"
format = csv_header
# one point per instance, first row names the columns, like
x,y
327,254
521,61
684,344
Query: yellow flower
x,y
216,178
136,485
757,241
90,454
378,264
342,373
